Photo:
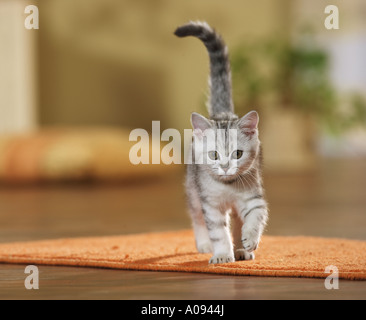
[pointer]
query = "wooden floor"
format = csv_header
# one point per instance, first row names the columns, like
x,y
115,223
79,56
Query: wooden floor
x,y
329,202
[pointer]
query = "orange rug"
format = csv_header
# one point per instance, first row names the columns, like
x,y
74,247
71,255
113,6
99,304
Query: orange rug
x,y
175,251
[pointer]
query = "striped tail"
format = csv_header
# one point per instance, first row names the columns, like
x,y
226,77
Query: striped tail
x,y
220,103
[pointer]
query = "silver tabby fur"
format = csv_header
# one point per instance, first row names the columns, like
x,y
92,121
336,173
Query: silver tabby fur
x,y
225,193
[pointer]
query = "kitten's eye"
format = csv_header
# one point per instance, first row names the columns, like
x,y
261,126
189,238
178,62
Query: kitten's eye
x,y
237,154
213,155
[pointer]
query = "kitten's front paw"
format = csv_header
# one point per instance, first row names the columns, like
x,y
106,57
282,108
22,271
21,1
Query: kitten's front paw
x,y
250,243
241,254
204,247
222,258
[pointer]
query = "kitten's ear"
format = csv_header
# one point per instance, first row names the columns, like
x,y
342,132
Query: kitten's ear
x,y
249,123
199,122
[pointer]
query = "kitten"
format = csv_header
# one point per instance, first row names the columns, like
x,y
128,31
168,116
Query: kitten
x,y
229,180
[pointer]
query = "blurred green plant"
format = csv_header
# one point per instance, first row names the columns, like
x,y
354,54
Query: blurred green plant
x,y
294,76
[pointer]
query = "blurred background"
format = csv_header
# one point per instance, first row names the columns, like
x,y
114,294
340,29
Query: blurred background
x,y
71,92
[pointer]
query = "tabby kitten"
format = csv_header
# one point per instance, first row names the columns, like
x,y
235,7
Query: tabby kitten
x,y
228,184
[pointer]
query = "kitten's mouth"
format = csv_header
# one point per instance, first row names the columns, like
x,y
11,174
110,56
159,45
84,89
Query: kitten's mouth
x,y
227,177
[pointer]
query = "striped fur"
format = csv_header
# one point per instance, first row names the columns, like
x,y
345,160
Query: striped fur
x,y
220,103
217,187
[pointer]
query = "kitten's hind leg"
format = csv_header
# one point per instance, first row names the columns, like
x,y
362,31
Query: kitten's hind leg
x,y
241,254
203,242
236,228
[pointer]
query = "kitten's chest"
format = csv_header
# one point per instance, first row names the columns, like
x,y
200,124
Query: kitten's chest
x,y
221,194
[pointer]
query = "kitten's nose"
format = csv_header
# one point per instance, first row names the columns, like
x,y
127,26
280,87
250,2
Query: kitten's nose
x,y
225,166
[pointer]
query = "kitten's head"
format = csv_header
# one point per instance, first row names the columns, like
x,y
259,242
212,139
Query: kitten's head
x,y
226,148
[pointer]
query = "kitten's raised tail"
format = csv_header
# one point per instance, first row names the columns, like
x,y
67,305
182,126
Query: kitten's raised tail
x,y
221,104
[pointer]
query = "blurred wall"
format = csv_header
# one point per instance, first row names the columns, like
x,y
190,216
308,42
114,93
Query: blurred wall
x,y
17,69
116,62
